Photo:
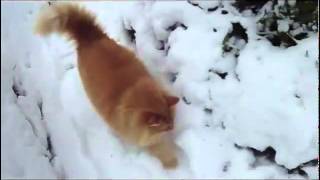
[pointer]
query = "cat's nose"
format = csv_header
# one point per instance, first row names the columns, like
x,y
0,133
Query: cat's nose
x,y
169,127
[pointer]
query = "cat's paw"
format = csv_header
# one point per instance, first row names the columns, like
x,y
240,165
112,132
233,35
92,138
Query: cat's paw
x,y
170,163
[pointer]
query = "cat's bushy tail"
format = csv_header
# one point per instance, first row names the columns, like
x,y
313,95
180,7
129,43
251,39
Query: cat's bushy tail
x,y
71,20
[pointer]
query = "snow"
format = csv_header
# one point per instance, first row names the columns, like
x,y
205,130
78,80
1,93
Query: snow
x,y
292,2
206,4
281,2
283,25
274,91
269,97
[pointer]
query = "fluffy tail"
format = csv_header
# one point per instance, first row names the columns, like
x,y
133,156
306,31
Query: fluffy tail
x,y
69,19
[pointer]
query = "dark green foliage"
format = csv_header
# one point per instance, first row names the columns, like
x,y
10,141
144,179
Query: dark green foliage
x,y
283,22
235,39
300,19
131,34
254,5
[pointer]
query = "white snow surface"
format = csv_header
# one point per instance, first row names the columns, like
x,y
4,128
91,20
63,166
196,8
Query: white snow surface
x,y
268,98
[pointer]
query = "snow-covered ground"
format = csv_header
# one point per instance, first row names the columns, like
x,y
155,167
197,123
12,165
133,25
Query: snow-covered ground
x,y
231,110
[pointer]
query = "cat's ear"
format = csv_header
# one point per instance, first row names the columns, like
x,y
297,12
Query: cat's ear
x,y
172,100
152,119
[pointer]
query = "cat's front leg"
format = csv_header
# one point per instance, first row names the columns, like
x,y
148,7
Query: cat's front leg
x,y
165,151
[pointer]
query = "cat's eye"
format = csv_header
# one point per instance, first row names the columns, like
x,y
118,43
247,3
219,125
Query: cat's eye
x,y
154,121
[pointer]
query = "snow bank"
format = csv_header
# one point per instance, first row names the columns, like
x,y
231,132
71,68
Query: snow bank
x,y
265,97
23,132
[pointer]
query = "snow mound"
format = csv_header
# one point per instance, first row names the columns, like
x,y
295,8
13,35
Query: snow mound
x,y
233,109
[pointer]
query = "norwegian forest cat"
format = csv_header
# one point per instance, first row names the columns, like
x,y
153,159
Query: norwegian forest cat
x,y
118,85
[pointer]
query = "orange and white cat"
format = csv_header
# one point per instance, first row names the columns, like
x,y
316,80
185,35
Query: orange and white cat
x,y
122,91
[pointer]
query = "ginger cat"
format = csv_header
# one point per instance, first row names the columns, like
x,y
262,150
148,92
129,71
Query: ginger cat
x,y
122,91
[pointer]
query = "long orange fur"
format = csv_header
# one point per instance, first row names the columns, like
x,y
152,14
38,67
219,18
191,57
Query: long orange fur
x,y
123,92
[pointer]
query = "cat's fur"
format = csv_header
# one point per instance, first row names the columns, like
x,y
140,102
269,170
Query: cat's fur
x,y
138,109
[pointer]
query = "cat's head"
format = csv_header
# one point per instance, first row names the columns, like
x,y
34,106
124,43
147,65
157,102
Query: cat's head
x,y
155,121
161,118
151,111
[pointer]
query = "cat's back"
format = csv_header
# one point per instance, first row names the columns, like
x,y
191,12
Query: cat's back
x,y
107,70
106,55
